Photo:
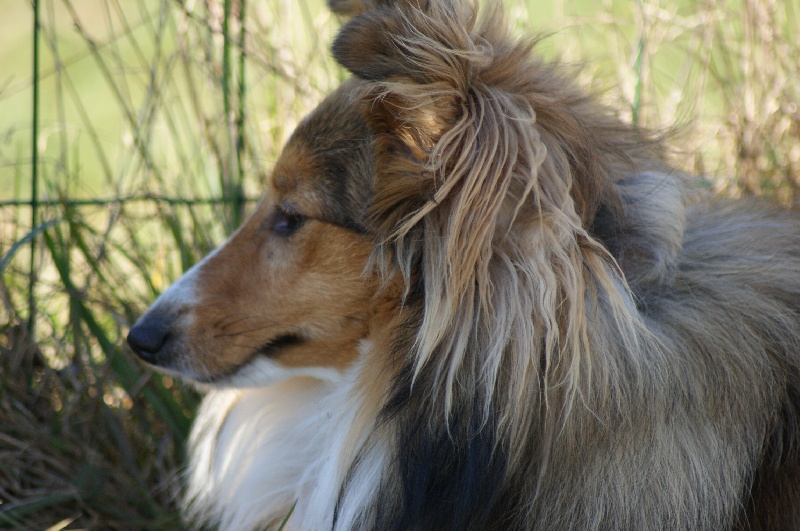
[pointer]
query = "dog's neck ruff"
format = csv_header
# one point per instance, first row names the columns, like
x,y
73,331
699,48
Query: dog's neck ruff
x,y
257,453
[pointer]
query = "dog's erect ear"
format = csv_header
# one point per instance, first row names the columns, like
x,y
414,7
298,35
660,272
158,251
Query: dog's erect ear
x,y
379,42
365,45
422,61
422,58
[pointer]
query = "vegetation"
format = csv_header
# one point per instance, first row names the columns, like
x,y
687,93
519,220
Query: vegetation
x,y
144,133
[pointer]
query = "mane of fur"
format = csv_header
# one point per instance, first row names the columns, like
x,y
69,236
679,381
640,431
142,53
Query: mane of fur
x,y
578,345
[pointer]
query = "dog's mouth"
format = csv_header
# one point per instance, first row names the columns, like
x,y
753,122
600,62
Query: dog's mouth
x,y
274,346
268,351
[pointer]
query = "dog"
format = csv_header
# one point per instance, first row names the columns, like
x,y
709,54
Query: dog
x,y
471,298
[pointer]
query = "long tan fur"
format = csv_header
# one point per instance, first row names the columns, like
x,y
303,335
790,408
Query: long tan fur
x,y
526,309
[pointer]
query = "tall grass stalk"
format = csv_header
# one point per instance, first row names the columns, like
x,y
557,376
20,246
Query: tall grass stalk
x,y
232,174
241,96
228,172
638,71
34,173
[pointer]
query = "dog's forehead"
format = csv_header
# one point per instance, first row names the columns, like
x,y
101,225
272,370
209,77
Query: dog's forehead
x,y
329,160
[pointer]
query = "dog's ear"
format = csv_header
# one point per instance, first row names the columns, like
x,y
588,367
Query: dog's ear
x,y
374,44
418,56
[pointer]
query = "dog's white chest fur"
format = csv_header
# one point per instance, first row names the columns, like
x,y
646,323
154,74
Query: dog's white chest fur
x,y
255,453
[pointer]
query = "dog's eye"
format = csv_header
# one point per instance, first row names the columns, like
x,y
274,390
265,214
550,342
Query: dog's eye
x,y
285,223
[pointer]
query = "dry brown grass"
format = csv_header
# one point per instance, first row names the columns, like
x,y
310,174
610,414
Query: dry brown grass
x,y
71,457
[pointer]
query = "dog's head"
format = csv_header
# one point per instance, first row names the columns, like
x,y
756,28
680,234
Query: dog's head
x,y
453,172
289,292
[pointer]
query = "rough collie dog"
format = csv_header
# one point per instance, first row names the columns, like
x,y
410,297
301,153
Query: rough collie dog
x,y
470,298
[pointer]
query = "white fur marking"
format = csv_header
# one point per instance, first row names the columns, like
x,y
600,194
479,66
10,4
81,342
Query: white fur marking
x,y
263,372
254,452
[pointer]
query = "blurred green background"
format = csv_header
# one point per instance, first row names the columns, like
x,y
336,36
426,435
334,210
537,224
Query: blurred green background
x,y
157,122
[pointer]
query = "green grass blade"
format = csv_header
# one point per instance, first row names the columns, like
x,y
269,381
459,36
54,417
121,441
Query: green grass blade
x,y
6,259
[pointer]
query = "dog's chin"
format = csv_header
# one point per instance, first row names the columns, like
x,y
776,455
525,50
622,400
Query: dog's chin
x,y
258,372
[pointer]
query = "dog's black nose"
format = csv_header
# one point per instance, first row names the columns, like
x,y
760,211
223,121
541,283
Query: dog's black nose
x,y
147,337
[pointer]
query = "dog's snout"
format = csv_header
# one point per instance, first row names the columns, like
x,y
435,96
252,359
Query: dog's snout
x,y
147,338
